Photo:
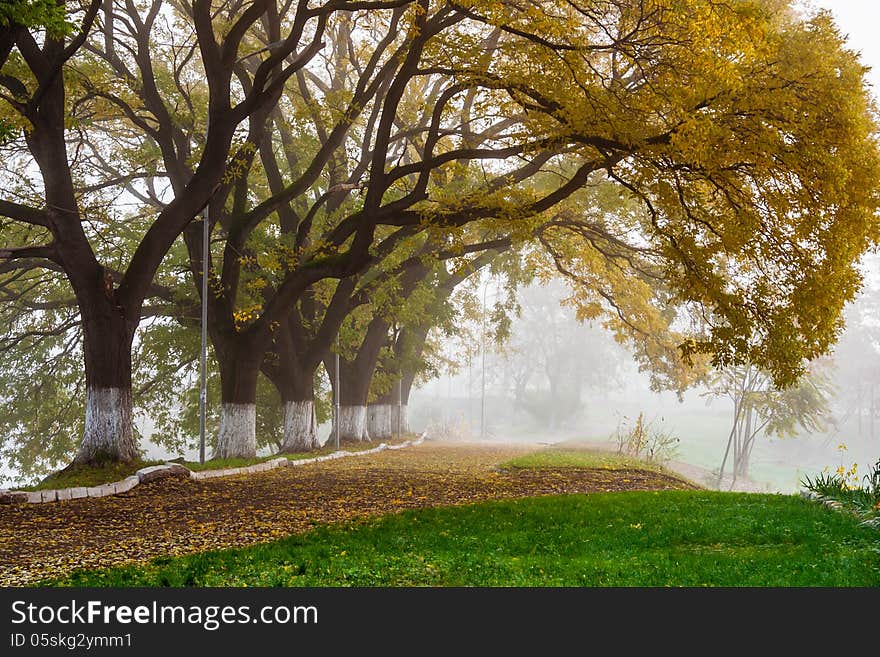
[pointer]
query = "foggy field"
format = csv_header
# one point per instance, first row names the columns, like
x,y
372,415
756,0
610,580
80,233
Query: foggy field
x,y
678,538
556,379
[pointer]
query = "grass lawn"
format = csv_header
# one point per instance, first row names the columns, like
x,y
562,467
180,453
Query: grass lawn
x,y
675,538
575,457
89,475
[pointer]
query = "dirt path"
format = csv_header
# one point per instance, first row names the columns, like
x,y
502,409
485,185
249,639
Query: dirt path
x,y
177,516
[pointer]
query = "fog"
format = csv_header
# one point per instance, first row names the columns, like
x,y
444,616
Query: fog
x,y
556,379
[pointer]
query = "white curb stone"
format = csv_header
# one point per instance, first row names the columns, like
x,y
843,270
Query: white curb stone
x,y
155,472
170,469
126,484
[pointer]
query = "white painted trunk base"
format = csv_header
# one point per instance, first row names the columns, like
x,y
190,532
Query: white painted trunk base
x,y
352,424
300,427
238,432
108,431
381,421
404,419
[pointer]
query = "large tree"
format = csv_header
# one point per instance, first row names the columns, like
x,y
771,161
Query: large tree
x,y
722,121
740,133
110,299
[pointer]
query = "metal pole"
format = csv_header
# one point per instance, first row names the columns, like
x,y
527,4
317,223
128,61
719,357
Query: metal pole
x,y
399,405
470,396
203,393
483,366
338,393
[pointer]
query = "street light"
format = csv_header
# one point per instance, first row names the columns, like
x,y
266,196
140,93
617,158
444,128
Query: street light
x,y
399,382
338,394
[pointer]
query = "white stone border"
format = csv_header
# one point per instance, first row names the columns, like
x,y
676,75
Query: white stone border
x,y
154,472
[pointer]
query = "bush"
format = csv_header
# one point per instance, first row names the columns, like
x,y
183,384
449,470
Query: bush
x,y
839,491
645,441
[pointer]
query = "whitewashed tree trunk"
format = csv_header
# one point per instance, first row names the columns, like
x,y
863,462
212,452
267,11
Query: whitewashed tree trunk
x,y
238,431
300,430
108,431
353,424
404,419
380,421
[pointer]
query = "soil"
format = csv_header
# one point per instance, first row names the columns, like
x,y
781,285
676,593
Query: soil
x,y
181,516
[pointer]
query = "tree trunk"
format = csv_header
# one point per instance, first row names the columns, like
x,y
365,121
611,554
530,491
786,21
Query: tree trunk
x,y
108,434
404,420
238,431
354,383
382,421
107,338
352,425
386,417
300,427
291,369
414,342
239,368
107,332
745,449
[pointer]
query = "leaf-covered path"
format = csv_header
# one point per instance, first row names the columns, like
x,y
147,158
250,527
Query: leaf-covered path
x,y
177,516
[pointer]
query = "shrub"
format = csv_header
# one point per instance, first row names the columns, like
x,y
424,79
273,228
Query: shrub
x,y
840,491
644,440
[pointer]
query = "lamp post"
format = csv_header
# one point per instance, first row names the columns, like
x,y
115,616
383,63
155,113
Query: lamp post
x,y
338,393
203,393
483,365
203,364
399,383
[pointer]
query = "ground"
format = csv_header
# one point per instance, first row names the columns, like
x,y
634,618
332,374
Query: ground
x,y
176,516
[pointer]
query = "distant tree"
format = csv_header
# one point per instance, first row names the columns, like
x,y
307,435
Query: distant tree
x,y
760,408
551,359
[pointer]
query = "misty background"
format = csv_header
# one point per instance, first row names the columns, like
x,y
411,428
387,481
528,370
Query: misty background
x,y
556,379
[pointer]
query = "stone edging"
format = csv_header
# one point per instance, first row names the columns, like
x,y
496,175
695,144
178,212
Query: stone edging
x,y
154,472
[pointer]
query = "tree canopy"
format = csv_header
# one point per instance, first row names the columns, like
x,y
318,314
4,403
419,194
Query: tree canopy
x,y
704,173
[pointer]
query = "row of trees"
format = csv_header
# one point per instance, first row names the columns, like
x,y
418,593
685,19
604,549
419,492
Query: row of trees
x,y
705,174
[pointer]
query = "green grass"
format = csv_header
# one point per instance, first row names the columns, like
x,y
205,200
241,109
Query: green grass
x,y
572,457
675,538
568,455
89,475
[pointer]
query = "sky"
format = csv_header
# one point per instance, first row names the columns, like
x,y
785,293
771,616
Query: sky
x,y
859,19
